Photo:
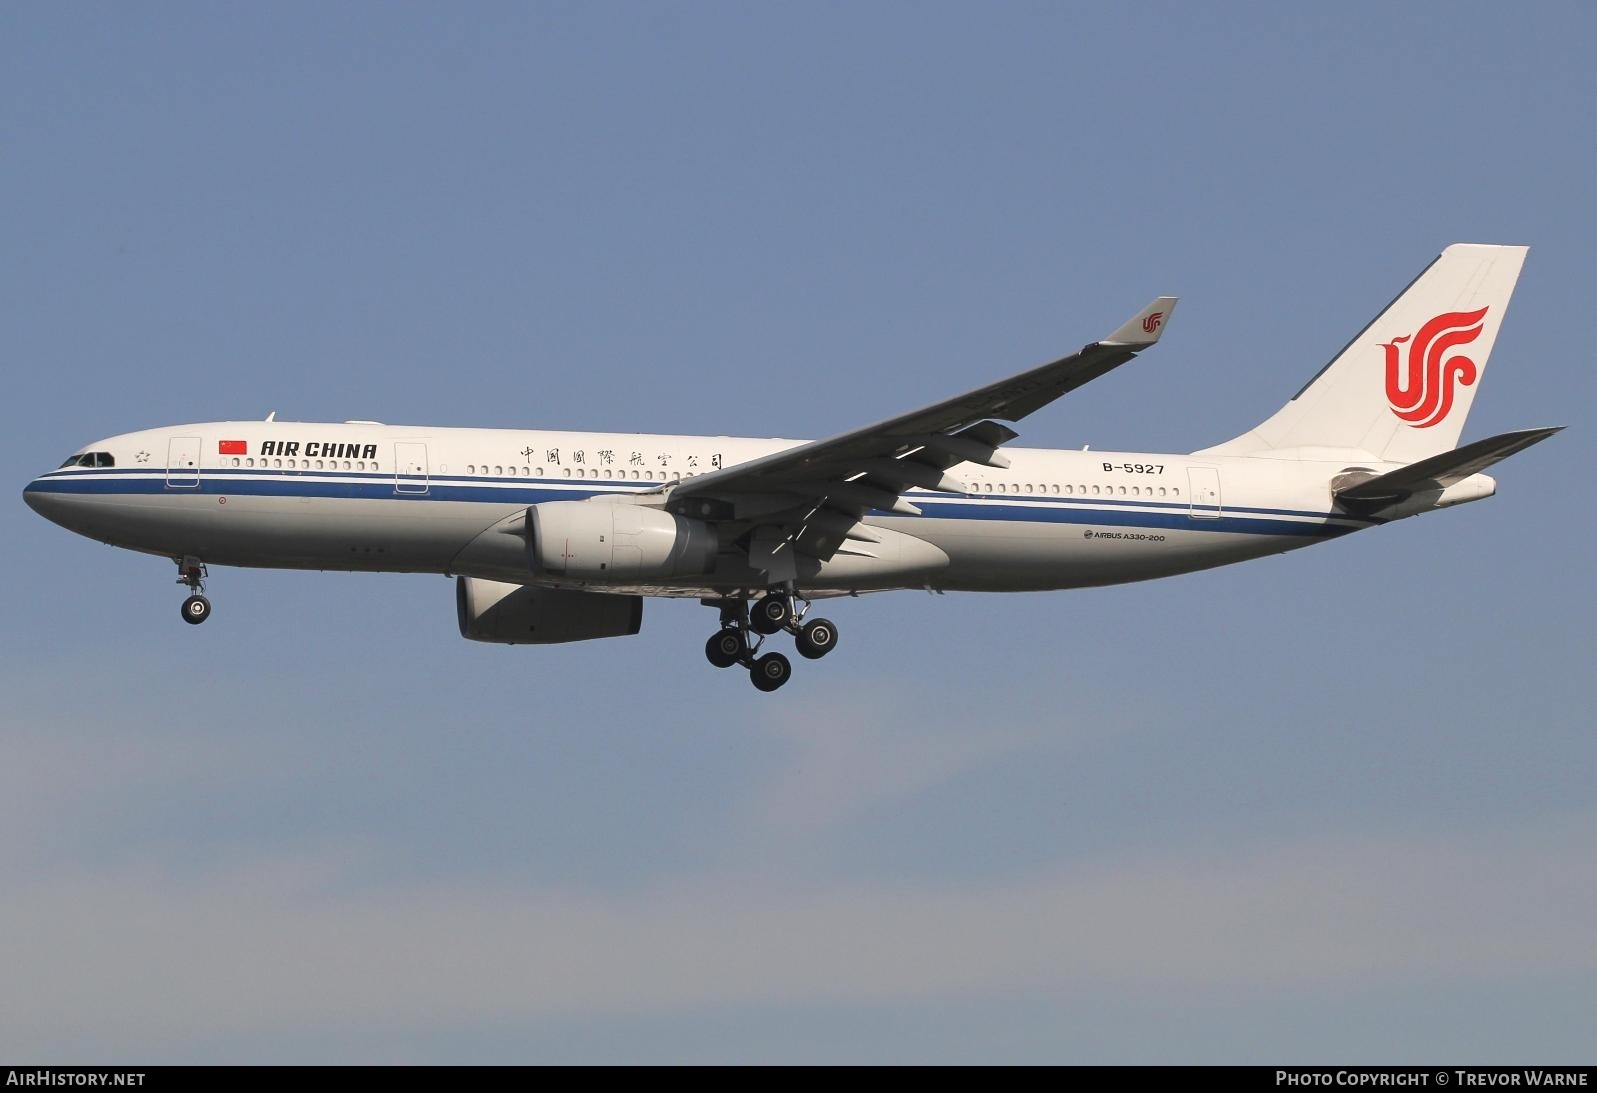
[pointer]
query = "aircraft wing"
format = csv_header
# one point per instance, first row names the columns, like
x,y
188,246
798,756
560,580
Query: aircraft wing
x,y
816,491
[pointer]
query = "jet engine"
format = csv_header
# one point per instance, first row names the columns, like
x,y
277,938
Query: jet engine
x,y
515,614
604,541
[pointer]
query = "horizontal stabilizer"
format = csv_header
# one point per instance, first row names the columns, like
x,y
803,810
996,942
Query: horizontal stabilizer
x,y
1438,471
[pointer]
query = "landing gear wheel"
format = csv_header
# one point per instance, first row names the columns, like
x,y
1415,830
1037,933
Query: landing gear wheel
x,y
816,638
726,648
196,609
770,613
771,671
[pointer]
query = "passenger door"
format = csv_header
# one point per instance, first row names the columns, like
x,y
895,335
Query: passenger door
x,y
410,468
183,463
1204,499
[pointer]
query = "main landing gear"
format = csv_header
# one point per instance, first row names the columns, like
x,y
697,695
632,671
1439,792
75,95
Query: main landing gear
x,y
745,628
196,609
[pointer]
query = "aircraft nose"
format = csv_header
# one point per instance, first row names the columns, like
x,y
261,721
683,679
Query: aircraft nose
x,y
47,503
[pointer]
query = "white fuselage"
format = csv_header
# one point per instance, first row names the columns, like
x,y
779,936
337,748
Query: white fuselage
x,y
365,496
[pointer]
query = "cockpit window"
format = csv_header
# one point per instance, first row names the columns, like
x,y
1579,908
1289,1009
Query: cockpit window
x,y
90,459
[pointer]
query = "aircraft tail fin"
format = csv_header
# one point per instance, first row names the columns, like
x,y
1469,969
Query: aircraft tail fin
x,y
1401,389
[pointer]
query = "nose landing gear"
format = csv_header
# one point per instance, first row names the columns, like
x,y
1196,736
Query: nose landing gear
x,y
745,628
196,609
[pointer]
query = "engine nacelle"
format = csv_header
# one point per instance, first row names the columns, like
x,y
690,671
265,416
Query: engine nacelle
x,y
516,614
603,541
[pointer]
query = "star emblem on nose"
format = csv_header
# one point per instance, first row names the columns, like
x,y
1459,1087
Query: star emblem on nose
x,y
143,457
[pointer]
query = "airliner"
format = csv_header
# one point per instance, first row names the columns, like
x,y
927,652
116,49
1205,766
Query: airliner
x,y
557,536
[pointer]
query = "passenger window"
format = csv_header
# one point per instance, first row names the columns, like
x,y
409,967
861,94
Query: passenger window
x,y
235,461
499,470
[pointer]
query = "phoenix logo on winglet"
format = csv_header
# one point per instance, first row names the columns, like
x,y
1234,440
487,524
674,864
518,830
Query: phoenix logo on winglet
x,y
1153,322
1423,394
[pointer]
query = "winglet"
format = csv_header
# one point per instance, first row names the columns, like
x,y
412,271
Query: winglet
x,y
1145,326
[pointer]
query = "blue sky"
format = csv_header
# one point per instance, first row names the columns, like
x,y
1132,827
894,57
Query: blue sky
x,y
1332,805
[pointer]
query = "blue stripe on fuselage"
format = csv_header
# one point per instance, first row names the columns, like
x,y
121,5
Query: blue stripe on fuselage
x,y
1100,512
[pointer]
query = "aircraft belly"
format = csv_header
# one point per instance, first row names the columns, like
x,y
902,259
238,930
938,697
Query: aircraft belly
x,y
1021,556
957,545
291,532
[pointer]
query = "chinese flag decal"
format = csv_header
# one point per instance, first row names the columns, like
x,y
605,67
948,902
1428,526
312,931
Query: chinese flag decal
x,y
231,447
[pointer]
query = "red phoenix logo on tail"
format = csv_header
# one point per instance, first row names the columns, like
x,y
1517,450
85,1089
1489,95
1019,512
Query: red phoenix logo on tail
x,y
1422,394
1153,322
